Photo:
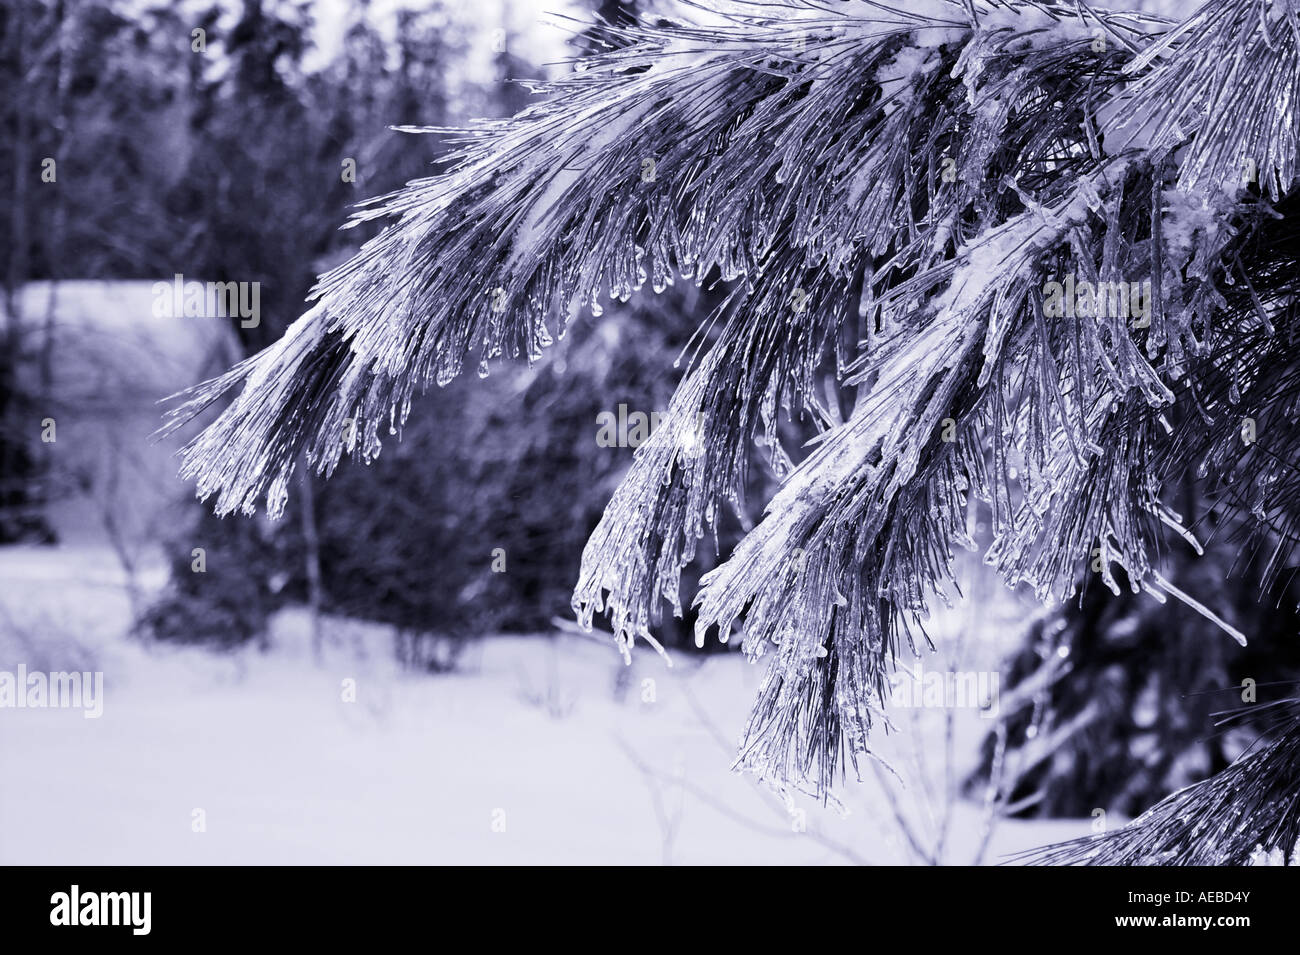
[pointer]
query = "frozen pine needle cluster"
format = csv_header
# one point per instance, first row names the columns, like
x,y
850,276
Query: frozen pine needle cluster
x,y
1245,815
905,193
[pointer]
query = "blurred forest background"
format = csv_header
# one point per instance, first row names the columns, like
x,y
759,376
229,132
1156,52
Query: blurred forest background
x,y
220,143
213,141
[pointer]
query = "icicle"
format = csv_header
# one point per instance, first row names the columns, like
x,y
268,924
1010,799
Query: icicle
x,y
1198,607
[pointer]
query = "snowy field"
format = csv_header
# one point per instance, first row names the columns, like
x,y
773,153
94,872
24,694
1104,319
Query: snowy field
x,y
536,750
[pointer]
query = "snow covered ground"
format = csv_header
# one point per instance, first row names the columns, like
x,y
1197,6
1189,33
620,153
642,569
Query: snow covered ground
x,y
536,750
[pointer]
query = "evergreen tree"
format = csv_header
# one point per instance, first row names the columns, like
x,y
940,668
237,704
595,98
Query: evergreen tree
x,y
1049,253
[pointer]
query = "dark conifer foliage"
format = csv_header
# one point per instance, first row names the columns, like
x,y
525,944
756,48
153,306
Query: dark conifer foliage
x,y
1249,814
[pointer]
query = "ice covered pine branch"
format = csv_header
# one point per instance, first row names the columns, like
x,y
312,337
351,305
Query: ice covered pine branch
x,y
912,179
